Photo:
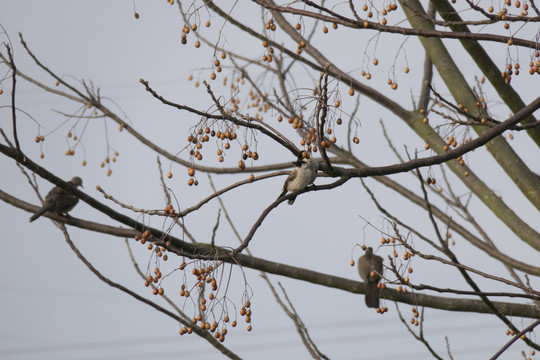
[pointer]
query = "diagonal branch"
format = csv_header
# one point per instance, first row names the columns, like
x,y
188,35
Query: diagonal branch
x,y
202,333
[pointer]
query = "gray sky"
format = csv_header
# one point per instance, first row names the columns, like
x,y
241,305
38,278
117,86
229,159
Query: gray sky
x,y
52,307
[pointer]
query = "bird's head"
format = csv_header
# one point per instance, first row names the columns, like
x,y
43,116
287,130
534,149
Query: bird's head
x,y
302,161
77,181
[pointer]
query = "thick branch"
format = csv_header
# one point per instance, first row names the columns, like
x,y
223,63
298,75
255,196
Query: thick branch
x,y
246,261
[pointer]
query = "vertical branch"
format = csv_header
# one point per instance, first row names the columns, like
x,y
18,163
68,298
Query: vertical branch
x,y
162,180
14,83
428,70
322,111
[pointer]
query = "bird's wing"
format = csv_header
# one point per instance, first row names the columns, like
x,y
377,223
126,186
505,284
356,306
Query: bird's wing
x,y
290,179
53,195
364,267
378,264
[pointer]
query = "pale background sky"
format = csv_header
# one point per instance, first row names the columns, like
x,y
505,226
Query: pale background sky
x,y
52,307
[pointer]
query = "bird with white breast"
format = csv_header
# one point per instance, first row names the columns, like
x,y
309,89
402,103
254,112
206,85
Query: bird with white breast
x,y
300,177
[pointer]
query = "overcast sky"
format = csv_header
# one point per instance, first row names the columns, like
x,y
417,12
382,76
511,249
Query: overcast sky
x,y
52,307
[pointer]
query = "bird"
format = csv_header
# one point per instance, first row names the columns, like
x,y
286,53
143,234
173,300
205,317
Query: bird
x,y
302,175
370,268
59,200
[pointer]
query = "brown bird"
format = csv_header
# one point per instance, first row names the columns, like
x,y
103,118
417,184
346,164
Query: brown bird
x,y
370,268
59,200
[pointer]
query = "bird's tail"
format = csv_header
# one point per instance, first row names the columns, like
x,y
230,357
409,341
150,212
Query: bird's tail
x,y
290,201
372,295
42,211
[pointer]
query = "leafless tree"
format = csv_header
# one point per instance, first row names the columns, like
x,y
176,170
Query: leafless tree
x,y
289,92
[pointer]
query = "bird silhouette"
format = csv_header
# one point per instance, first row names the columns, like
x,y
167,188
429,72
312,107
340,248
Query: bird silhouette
x,y
370,268
59,200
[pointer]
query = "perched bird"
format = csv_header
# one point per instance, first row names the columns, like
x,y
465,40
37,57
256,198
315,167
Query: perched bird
x,y
59,200
302,175
370,268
